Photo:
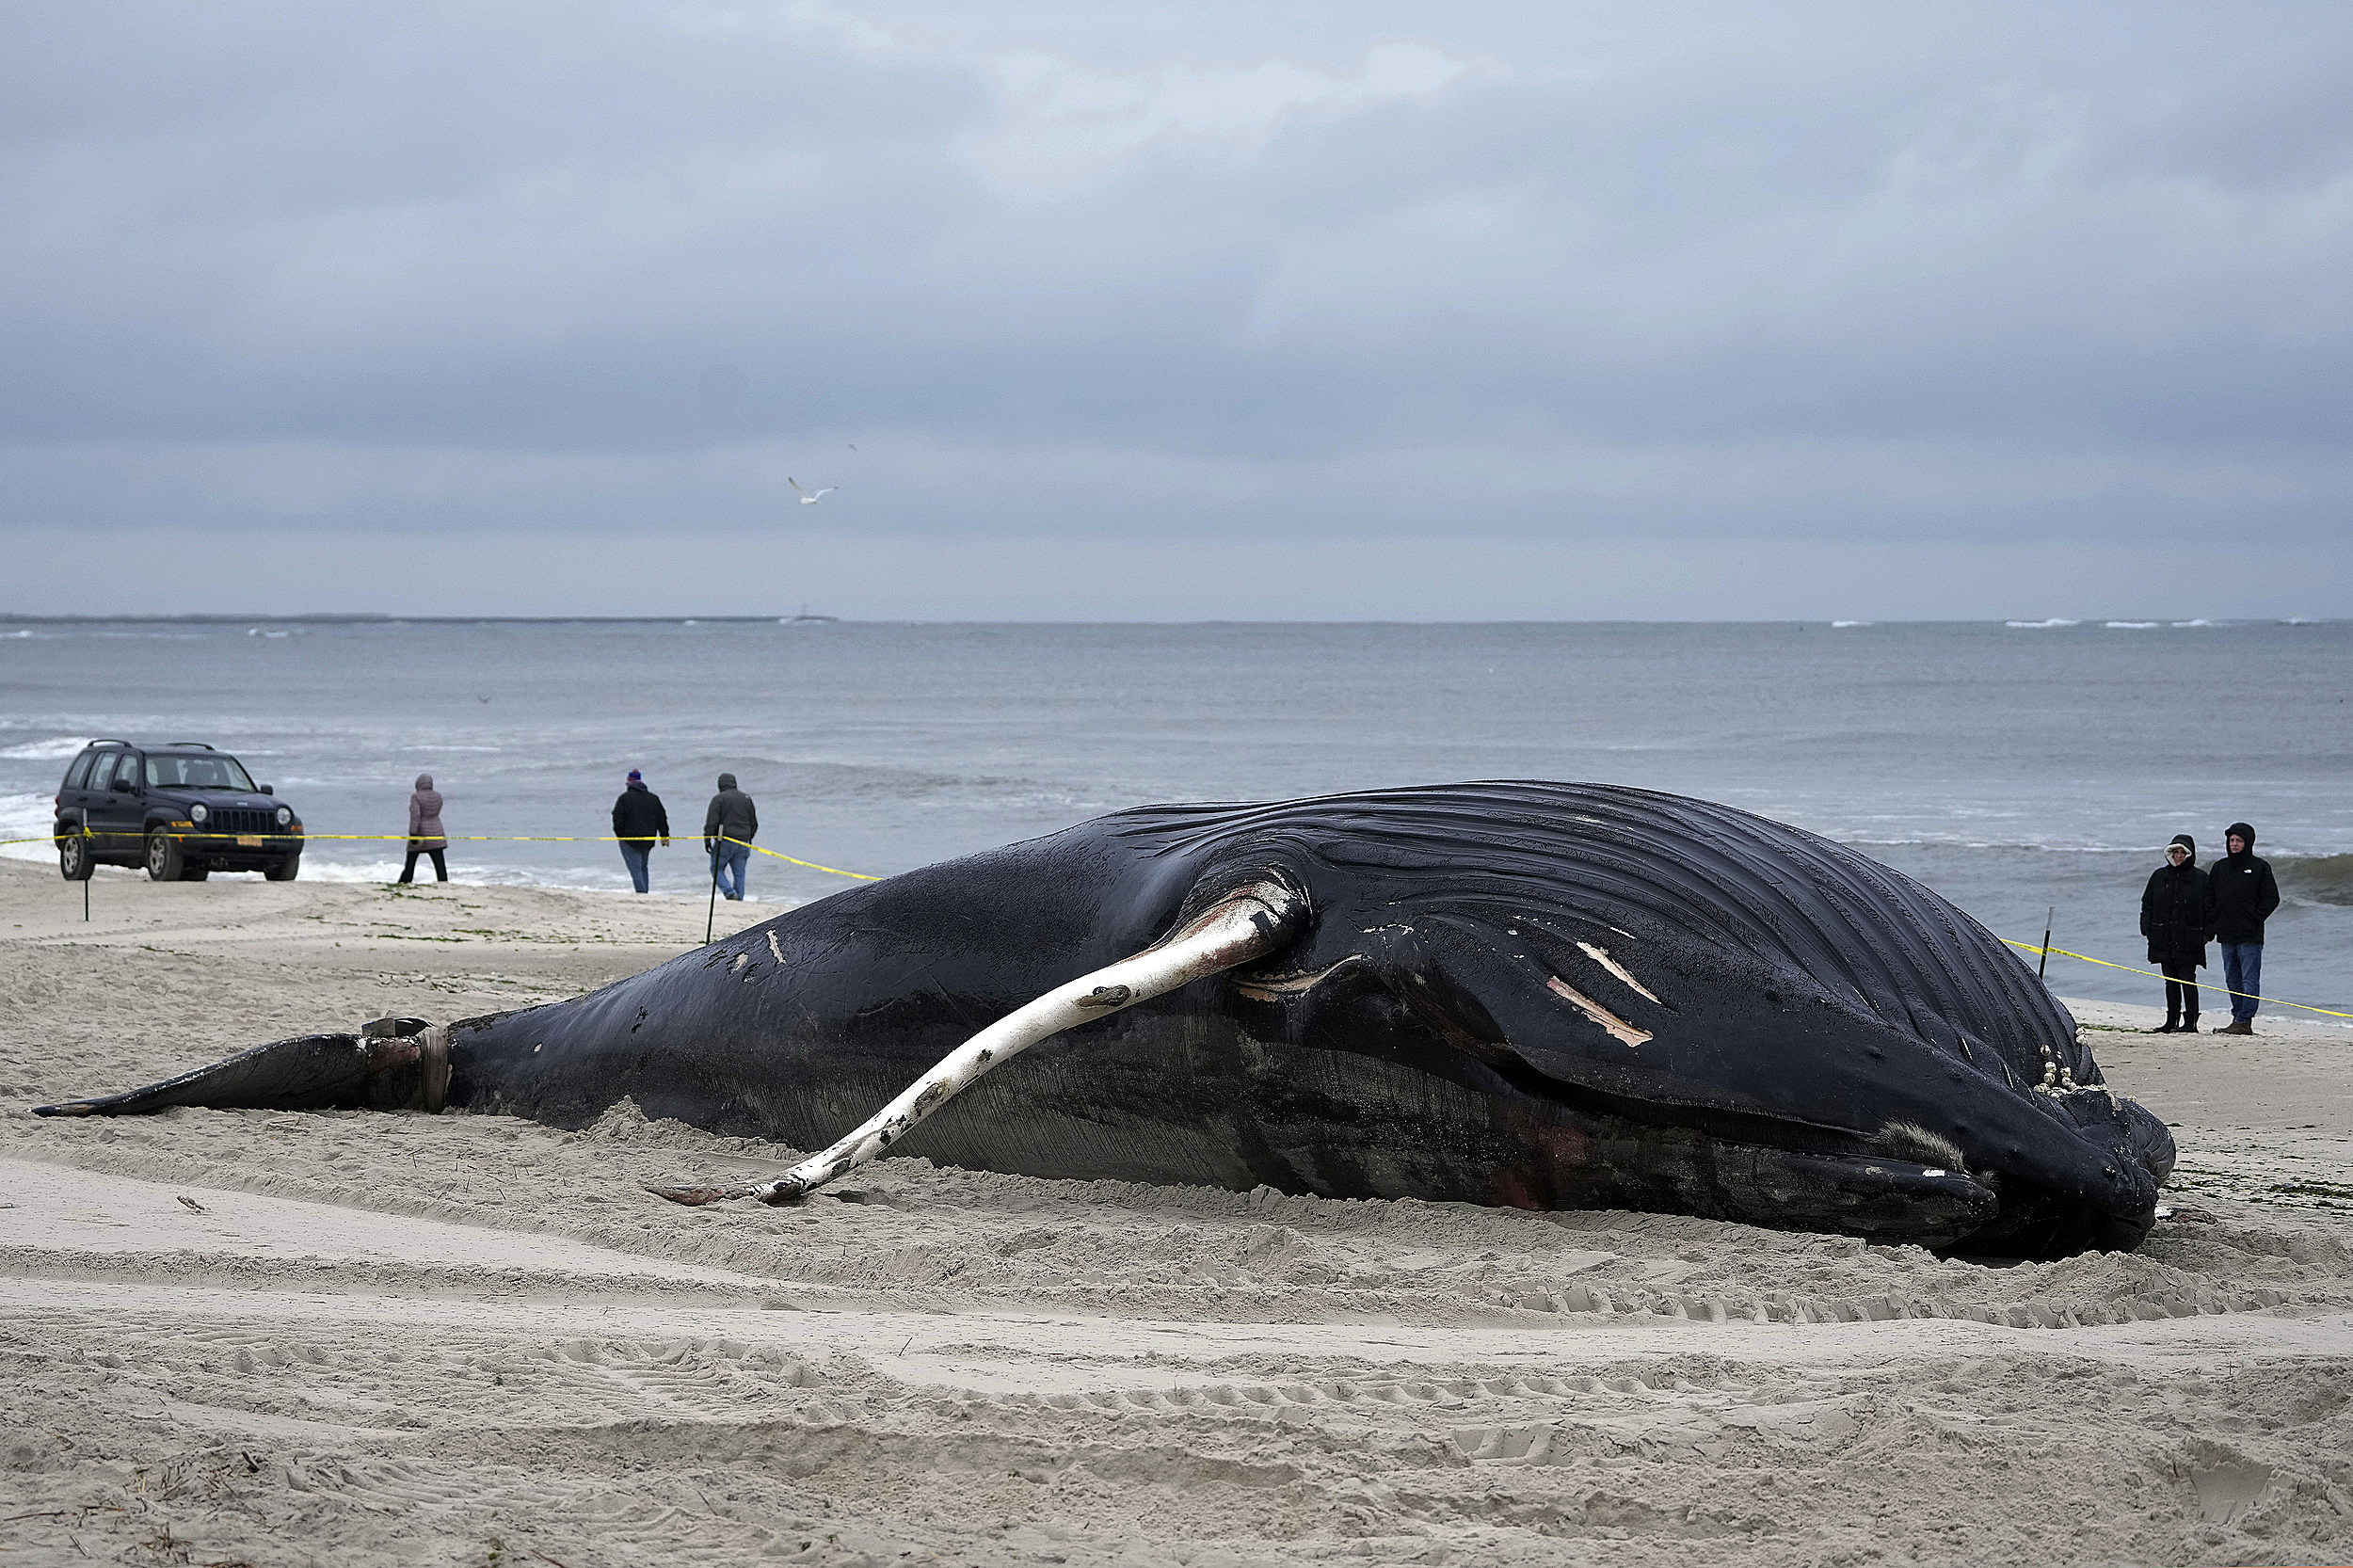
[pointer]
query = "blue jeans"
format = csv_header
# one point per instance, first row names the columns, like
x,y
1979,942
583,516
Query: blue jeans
x,y
2243,970
725,858
635,856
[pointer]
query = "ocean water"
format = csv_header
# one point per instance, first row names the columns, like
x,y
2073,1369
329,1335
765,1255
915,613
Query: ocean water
x,y
2012,767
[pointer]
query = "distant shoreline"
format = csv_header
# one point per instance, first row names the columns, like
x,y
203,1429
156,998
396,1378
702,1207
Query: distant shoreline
x,y
374,618
9,617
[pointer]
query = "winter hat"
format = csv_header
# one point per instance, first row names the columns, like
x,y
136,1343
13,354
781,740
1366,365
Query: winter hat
x,y
637,777
424,782
2186,842
2242,830
726,781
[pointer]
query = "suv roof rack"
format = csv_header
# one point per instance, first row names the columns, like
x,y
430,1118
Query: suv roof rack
x,y
109,740
194,745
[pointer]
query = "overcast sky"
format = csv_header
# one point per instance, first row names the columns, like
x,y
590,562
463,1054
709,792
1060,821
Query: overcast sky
x,y
1382,310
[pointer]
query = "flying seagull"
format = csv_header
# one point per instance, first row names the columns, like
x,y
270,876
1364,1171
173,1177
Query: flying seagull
x,y
808,497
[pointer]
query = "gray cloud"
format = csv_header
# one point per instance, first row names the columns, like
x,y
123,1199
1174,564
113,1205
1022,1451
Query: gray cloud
x,y
1195,278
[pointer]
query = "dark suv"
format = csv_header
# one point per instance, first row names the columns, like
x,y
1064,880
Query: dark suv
x,y
182,811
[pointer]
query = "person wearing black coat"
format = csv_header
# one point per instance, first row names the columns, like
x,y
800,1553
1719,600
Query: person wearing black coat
x,y
638,820
2243,895
2174,910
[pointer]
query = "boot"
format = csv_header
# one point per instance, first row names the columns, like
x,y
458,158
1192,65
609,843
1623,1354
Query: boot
x,y
2189,1024
2173,1025
2237,1026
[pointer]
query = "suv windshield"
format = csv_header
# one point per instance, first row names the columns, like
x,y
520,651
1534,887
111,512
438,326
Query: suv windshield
x,y
199,772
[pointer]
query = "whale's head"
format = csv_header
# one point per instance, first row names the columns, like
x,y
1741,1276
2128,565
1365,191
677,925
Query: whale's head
x,y
1807,1036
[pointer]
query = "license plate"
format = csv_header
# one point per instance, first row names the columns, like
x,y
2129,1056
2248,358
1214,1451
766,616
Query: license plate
x,y
249,841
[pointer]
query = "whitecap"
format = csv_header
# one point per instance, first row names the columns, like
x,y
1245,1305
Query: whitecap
x,y
1841,623
2199,621
27,817
47,751
2041,624
2132,625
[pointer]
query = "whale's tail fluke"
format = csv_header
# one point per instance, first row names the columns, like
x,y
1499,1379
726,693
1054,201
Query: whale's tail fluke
x,y
1248,923
391,1065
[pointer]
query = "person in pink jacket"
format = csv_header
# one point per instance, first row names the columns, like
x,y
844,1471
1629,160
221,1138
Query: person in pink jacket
x,y
425,835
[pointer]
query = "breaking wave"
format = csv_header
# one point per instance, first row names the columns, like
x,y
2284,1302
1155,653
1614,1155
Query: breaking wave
x,y
56,750
2317,879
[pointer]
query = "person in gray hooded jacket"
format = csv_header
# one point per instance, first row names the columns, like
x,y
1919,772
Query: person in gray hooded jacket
x,y
728,824
425,831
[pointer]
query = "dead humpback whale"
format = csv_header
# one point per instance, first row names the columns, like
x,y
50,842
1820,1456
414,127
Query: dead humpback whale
x,y
1517,993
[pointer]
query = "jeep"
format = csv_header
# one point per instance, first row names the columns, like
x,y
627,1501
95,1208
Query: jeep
x,y
182,811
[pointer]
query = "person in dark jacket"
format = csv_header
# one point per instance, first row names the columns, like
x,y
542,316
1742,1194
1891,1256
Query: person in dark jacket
x,y
2174,909
728,824
638,820
425,831
2243,895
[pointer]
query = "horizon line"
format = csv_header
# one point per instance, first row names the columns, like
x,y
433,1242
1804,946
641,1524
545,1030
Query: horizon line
x,y
374,617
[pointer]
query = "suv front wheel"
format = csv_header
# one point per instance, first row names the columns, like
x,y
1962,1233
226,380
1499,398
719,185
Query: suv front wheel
x,y
163,860
73,861
284,871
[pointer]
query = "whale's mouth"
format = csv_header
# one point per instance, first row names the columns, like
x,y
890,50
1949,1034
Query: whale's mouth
x,y
1578,1025
1905,1183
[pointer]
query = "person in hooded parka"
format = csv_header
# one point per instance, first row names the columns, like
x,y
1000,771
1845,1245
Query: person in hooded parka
x,y
2245,894
426,835
2175,916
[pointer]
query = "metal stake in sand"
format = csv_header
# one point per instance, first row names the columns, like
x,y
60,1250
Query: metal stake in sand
x,y
711,913
2043,963
85,880
1248,923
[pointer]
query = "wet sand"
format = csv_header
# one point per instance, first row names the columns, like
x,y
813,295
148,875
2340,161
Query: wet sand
x,y
355,1338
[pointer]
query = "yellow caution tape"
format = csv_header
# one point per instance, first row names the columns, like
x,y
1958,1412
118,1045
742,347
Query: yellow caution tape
x,y
861,877
457,838
810,864
2153,975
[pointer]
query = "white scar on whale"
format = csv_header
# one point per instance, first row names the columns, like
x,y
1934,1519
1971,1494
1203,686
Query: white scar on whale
x,y
1618,1028
1601,956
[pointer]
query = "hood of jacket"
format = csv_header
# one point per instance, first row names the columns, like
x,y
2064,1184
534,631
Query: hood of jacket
x,y
2243,832
726,781
2188,843
424,782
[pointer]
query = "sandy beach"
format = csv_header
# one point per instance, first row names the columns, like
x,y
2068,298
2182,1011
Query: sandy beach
x,y
354,1339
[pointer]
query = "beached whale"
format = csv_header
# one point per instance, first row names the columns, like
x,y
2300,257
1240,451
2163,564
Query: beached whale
x,y
1553,996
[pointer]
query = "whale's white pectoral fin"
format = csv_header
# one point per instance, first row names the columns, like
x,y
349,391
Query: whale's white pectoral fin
x,y
1246,924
